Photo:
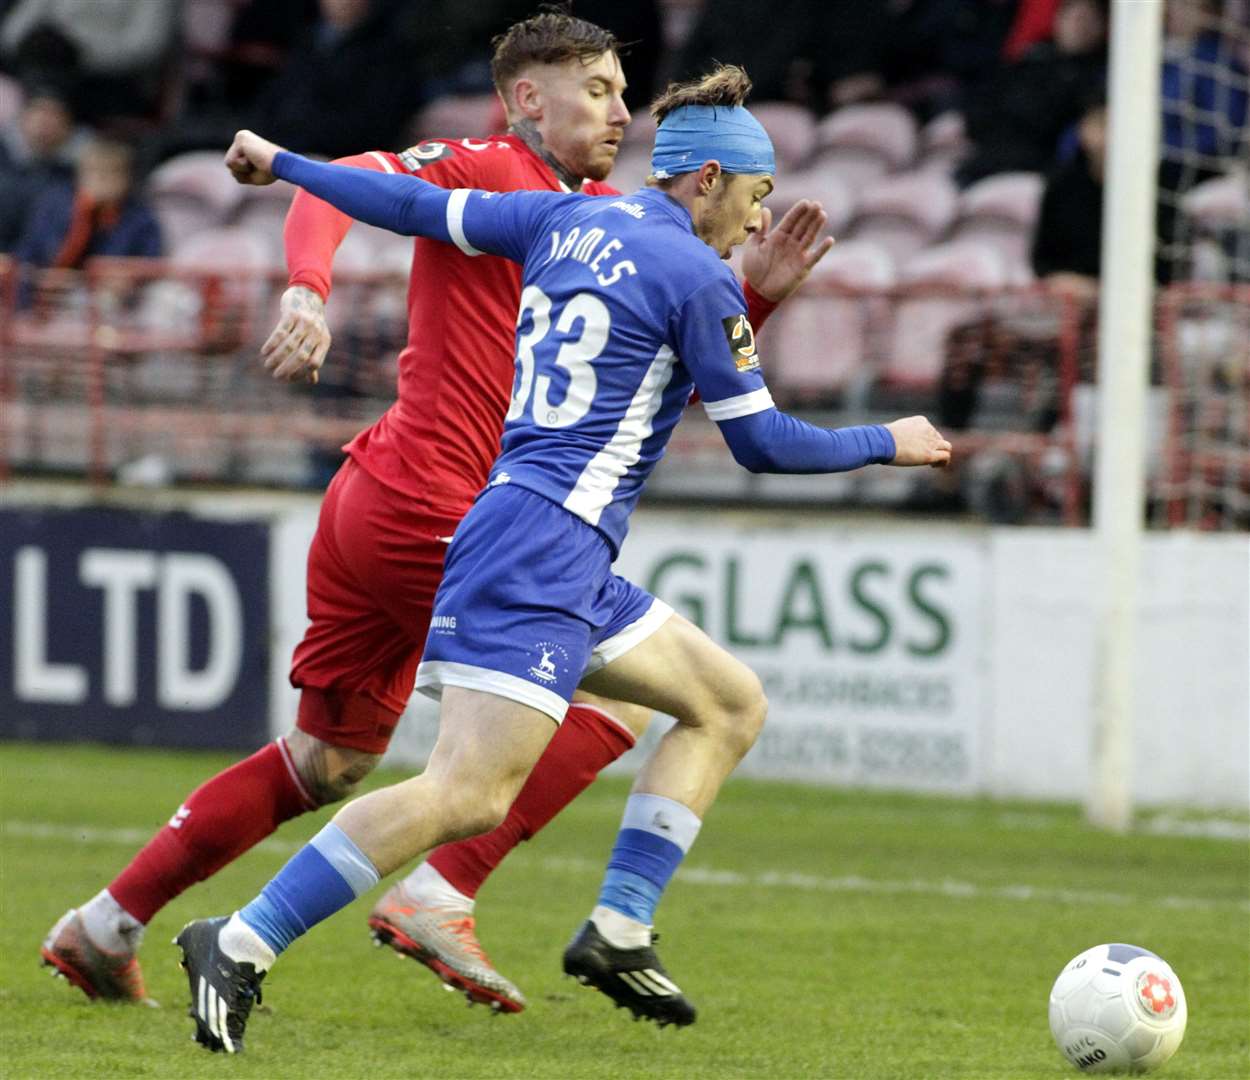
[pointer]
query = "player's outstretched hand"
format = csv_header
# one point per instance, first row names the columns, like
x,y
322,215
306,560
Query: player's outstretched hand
x,y
250,159
777,261
917,442
296,348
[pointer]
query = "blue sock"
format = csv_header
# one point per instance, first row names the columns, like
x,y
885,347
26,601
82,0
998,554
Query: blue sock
x,y
655,835
327,874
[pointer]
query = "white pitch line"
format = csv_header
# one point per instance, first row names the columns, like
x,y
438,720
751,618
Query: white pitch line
x,y
702,875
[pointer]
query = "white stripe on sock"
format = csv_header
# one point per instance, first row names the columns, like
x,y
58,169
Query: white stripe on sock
x,y
662,816
200,1008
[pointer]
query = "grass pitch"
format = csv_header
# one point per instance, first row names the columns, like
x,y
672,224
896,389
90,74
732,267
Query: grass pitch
x,y
821,933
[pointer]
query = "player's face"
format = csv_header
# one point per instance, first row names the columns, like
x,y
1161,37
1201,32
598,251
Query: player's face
x,y
735,210
583,116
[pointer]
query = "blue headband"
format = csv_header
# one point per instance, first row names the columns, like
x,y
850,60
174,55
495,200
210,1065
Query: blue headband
x,y
693,134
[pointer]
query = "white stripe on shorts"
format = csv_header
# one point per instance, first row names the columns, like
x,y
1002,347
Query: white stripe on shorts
x,y
434,675
635,633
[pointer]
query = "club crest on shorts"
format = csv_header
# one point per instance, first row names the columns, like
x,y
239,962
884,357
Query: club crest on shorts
x,y
551,654
741,338
424,153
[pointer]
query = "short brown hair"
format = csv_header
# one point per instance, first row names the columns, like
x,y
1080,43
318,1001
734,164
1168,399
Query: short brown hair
x,y
550,37
726,84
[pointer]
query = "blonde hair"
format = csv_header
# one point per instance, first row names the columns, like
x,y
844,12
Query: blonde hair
x,y
726,84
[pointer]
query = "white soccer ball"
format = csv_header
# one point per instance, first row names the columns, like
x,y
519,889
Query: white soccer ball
x,y
1117,1008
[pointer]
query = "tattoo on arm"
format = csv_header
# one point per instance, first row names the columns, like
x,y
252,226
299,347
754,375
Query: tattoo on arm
x,y
305,299
528,131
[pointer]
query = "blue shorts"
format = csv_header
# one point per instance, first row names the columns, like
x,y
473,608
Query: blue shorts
x,y
529,604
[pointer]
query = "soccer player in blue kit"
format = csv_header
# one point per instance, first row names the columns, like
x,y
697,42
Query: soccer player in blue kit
x,y
626,307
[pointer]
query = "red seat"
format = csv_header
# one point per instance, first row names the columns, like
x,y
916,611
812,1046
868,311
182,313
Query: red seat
x,y
905,213
884,130
792,129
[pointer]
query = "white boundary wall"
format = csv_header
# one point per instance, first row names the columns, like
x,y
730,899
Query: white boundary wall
x,y
934,657
900,654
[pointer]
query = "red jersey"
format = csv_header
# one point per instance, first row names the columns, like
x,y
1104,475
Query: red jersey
x,y
437,442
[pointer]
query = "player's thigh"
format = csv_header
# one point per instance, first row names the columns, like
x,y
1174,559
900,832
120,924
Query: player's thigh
x,y
487,745
373,571
395,552
679,670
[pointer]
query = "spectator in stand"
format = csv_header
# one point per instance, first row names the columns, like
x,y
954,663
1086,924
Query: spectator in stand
x,y
776,40
119,49
449,41
937,50
1016,118
1204,125
262,35
100,214
350,82
1067,247
1034,23
1204,86
37,152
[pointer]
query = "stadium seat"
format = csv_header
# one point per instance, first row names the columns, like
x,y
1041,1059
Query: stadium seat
x,y
473,116
882,130
633,166
206,26
858,264
905,213
11,100
191,193
963,264
1014,197
943,285
198,174
1002,211
943,142
1220,203
824,186
792,129
818,343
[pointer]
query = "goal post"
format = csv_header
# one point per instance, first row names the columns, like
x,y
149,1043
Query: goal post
x,y
1124,347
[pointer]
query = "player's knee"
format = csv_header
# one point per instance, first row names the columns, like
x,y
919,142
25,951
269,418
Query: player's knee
x,y
749,709
471,813
735,707
329,773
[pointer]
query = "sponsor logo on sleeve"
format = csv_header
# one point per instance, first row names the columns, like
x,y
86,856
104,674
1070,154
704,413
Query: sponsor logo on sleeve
x,y
741,342
424,153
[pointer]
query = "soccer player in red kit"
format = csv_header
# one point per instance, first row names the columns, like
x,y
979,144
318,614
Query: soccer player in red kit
x,y
376,559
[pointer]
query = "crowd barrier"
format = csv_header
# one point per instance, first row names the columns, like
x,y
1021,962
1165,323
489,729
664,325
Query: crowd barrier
x,y
147,372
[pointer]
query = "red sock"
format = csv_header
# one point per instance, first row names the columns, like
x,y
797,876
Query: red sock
x,y
588,740
221,819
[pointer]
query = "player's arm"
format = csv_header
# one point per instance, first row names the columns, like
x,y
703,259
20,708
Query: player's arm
x,y
717,345
477,222
314,230
297,346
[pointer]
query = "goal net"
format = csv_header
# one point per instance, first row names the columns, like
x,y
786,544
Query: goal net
x,y
1203,265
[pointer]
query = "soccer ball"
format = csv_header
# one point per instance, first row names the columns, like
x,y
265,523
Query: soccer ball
x,y
1117,1008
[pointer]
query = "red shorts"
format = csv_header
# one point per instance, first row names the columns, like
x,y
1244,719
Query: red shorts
x,y
373,569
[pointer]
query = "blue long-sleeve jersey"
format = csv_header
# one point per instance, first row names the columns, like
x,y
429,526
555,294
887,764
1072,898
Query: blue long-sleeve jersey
x,y
623,311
